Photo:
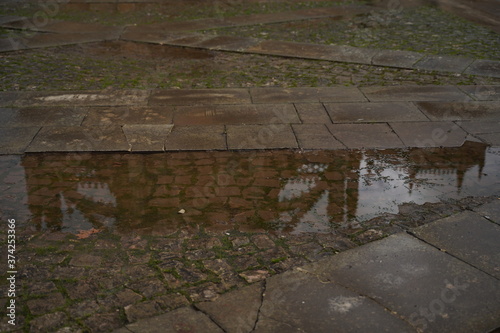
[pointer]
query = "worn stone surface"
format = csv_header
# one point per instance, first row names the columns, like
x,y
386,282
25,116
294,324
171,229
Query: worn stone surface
x,y
315,136
15,140
484,67
482,92
303,95
358,136
444,63
312,113
272,136
196,138
147,137
46,116
491,211
129,115
430,134
199,97
481,126
414,93
460,111
373,112
467,236
404,59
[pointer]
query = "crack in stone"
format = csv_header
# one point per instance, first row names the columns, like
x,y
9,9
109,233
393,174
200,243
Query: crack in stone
x,y
209,317
262,295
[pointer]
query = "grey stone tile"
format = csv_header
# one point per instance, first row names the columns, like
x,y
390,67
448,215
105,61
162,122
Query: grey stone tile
x,y
84,98
374,112
312,113
306,95
484,68
444,63
491,211
184,319
492,139
414,93
432,290
482,92
350,54
235,311
394,58
480,127
15,140
315,136
199,97
358,136
8,98
236,114
5,115
79,139
189,40
9,18
129,115
228,43
50,39
272,136
460,111
12,44
146,137
46,116
196,138
467,236
430,134
298,302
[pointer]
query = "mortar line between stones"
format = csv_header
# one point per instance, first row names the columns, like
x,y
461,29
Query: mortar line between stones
x,y
411,233
393,131
194,307
262,295
419,109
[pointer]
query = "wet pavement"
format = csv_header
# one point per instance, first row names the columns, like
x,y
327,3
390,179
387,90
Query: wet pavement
x,y
249,208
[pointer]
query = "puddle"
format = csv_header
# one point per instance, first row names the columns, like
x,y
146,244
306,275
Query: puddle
x,y
280,191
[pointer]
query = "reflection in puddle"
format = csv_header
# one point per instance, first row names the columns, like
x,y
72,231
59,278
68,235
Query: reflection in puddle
x,y
285,191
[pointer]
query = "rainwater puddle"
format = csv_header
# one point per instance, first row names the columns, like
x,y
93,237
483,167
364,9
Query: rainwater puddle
x,y
282,191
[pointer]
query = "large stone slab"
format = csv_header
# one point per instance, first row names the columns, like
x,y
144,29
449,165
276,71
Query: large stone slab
x,y
358,136
146,137
374,112
480,127
181,320
414,93
460,111
491,211
236,114
79,139
467,236
430,289
228,43
312,113
235,311
196,138
430,134
5,115
7,98
444,63
46,116
298,302
272,136
482,92
395,58
492,139
199,97
315,136
15,140
83,98
484,68
306,95
129,115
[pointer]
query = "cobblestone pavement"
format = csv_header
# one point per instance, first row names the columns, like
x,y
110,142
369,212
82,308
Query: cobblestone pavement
x,y
247,91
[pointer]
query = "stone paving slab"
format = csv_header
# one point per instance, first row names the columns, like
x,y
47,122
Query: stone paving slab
x,y
414,93
359,136
273,136
395,58
312,113
199,97
196,138
482,92
484,68
62,27
492,139
79,139
491,211
15,140
306,94
467,236
374,112
228,43
451,64
430,134
129,115
236,114
45,116
460,111
480,127
315,136
298,302
146,137
8,98
430,289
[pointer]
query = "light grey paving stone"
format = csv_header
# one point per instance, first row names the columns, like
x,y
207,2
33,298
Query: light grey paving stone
x,y
374,112
5,115
492,139
414,93
460,111
467,236
235,311
480,127
84,98
315,136
484,68
491,211
298,302
272,136
228,43
432,290
306,95
358,136
199,97
46,116
236,114
196,138
79,139
395,58
146,137
430,134
8,98
443,63
181,320
15,140
311,113
482,92
129,115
